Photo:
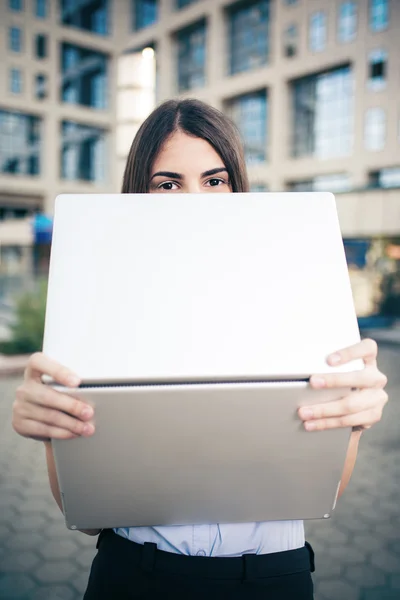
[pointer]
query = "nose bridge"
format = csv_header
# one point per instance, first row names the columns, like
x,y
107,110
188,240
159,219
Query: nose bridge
x,y
193,186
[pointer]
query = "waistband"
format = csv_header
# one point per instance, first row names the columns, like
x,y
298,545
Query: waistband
x,y
248,566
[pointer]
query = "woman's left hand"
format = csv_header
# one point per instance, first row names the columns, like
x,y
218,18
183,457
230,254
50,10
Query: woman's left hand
x,y
363,406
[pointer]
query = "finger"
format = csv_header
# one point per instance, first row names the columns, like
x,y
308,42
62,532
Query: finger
x,y
55,418
40,431
370,377
40,394
39,365
367,350
365,419
356,402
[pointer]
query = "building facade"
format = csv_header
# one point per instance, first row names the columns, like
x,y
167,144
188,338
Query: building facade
x,y
313,85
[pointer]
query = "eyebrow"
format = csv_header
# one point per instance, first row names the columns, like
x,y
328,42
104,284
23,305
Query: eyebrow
x,y
179,176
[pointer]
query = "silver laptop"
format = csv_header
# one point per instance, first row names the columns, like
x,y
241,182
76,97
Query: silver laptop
x,y
195,322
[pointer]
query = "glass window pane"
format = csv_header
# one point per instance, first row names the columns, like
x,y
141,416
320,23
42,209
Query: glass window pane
x,y
89,15
323,108
290,41
378,14
40,86
347,25
145,13
16,5
15,39
317,31
191,46
41,9
249,112
20,142
41,46
249,30
183,3
377,69
84,76
15,81
83,155
375,129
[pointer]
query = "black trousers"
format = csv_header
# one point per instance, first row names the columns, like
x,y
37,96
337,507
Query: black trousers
x,y
124,570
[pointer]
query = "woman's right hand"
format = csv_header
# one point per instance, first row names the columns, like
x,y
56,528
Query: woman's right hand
x,y
41,413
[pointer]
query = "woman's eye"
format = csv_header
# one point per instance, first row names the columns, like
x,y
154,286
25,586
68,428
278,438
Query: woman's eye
x,y
215,181
167,185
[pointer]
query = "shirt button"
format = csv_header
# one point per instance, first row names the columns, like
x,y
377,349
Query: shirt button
x,y
201,553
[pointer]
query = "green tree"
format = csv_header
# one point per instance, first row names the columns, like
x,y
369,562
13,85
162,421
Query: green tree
x,y
28,328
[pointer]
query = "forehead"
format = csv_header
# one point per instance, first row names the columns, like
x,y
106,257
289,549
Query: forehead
x,y
180,150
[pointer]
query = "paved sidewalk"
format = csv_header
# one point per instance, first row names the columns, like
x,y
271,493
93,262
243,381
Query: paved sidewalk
x,y
357,551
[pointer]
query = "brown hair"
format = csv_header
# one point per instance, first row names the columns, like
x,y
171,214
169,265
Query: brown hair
x,y
194,118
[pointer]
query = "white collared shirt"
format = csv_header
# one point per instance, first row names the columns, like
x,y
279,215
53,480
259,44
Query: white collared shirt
x,y
226,540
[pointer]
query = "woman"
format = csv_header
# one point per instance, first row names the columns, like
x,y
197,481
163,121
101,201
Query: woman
x,y
187,146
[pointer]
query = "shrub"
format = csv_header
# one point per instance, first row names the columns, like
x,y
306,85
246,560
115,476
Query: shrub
x,y
28,327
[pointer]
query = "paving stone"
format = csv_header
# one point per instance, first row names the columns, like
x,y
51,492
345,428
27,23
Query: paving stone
x,y
29,522
84,557
60,571
387,532
80,583
58,549
15,586
347,554
54,592
365,575
55,529
19,561
387,561
394,546
381,594
325,569
395,582
335,589
5,531
334,535
9,501
24,541
368,542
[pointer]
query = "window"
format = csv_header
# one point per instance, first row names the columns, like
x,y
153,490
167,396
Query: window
x,y
378,14
377,70
322,116
15,39
347,25
41,9
291,2
90,15
83,76
191,57
40,86
249,112
41,46
145,13
317,32
183,3
249,35
334,183
20,141
375,129
385,178
15,81
83,152
290,41
16,5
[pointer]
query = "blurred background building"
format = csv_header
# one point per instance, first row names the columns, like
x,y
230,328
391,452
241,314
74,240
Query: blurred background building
x,y
313,85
